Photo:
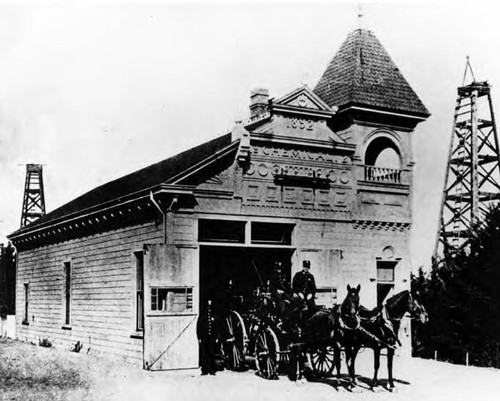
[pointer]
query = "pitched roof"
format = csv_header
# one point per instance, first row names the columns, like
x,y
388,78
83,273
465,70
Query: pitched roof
x,y
143,179
362,73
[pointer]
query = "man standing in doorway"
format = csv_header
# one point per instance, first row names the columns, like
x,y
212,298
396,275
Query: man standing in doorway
x,y
206,330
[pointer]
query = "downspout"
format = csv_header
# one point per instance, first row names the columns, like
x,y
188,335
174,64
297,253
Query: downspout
x,y
164,214
153,200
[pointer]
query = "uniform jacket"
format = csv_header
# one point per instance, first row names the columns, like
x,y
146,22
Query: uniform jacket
x,y
303,283
278,281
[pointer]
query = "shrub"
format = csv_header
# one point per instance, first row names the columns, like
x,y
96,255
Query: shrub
x,y
76,347
45,342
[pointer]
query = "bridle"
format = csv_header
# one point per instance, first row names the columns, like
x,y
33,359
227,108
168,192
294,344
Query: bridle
x,y
346,315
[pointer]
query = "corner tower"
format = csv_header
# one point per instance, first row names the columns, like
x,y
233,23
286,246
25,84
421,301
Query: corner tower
x,y
377,108
377,112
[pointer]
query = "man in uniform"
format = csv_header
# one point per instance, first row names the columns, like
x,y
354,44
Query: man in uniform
x,y
303,284
280,288
207,337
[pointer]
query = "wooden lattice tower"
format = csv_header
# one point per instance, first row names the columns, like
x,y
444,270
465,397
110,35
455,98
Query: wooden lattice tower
x,y
34,199
472,181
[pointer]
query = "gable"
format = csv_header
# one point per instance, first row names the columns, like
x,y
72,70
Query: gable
x,y
303,98
301,115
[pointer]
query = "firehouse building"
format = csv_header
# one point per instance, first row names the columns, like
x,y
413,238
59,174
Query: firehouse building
x,y
323,175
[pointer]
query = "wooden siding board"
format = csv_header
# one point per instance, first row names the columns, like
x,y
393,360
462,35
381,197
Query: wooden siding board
x,y
102,296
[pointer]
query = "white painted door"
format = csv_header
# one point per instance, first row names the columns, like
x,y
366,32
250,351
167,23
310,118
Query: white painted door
x,y
170,305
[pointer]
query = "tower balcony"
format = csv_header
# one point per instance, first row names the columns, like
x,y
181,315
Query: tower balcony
x,y
382,175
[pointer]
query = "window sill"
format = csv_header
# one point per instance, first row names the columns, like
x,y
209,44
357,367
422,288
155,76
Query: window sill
x,y
25,323
170,314
138,334
66,327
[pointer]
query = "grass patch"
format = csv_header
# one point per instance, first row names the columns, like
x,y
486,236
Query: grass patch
x,y
30,372
25,366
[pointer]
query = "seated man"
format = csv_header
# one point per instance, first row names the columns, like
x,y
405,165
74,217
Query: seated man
x,y
304,285
304,289
280,288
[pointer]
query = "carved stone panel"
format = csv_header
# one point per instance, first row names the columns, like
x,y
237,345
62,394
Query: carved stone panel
x,y
282,153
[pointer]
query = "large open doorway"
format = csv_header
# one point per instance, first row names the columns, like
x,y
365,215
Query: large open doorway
x,y
247,267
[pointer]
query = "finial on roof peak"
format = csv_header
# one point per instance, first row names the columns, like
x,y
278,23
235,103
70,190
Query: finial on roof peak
x,y
360,16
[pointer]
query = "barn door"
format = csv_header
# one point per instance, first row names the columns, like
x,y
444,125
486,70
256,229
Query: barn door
x,y
170,307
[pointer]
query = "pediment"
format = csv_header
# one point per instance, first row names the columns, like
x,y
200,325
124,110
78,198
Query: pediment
x,y
304,98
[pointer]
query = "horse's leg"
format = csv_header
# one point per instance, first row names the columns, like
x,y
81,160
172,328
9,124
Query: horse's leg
x,y
337,356
348,357
350,361
376,365
353,364
390,358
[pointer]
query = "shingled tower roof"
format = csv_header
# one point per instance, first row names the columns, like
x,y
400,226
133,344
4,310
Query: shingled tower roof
x,y
362,73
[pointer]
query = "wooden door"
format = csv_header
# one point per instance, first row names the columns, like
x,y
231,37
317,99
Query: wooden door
x,y
170,307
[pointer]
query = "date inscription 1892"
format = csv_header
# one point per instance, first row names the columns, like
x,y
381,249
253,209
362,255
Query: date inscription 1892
x,y
300,123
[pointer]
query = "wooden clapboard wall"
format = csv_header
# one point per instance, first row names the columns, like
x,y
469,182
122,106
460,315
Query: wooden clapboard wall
x,y
103,279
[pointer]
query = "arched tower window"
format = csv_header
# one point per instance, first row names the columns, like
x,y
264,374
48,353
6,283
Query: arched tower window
x,y
382,161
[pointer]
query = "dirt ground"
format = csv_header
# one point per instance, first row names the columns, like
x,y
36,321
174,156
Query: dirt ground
x,y
29,372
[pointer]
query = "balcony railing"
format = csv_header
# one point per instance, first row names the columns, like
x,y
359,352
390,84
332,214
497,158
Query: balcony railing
x,y
382,174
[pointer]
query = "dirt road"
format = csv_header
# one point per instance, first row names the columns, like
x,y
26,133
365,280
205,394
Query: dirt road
x,y
29,372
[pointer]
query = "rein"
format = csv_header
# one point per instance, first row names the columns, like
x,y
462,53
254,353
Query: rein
x,y
346,327
387,322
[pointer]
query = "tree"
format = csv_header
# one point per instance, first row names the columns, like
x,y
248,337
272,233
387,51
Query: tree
x,y
463,300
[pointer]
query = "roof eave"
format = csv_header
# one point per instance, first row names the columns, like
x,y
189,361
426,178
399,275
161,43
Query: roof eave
x,y
421,116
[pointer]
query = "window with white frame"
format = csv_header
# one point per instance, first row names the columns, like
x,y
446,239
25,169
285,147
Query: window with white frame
x,y
172,299
67,293
26,303
139,290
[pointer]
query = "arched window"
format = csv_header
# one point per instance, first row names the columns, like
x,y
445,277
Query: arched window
x,y
382,161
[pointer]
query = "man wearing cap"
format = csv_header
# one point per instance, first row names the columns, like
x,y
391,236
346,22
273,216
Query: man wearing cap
x,y
206,330
303,284
279,287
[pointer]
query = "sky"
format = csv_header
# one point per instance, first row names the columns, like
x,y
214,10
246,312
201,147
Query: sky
x,y
97,90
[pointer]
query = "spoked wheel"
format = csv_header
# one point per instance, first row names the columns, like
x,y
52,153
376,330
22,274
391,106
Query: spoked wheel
x,y
323,361
266,353
235,342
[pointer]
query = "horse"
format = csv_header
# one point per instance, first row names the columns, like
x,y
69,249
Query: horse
x,y
380,327
329,327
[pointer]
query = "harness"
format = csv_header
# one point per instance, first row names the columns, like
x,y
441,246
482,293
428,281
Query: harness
x,y
361,329
386,322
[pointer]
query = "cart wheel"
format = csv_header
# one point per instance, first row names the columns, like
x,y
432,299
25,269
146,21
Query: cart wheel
x,y
322,361
266,354
235,343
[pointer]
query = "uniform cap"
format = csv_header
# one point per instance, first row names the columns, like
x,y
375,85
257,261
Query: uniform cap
x,y
306,263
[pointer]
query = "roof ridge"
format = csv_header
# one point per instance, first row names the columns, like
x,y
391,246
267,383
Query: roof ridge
x,y
139,180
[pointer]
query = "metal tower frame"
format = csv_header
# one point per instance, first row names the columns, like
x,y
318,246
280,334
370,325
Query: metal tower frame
x,y
472,181
34,199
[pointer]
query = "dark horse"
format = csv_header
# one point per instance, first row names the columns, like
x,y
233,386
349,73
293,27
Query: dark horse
x,y
379,329
330,328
